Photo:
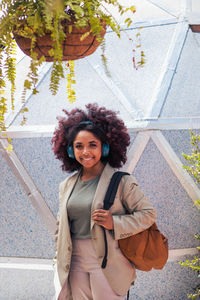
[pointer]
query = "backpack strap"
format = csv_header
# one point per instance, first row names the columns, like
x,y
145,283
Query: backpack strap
x,y
108,201
112,189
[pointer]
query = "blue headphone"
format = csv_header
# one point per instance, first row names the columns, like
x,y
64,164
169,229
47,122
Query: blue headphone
x,y
105,148
70,151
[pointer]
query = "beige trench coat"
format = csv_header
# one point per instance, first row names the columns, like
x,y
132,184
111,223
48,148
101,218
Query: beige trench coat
x,y
119,272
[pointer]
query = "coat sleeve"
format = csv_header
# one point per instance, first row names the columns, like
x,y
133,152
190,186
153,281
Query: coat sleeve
x,y
140,212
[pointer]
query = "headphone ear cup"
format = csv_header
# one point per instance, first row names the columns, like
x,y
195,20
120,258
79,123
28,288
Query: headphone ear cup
x,y
70,151
105,150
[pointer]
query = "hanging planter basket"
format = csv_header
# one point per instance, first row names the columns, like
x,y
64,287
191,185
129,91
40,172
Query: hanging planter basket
x,y
73,47
195,27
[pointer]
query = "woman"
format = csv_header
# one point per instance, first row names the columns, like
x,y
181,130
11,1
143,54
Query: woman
x,y
94,142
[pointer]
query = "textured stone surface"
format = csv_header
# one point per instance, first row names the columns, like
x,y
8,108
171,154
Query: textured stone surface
x,y
22,231
172,283
18,284
176,215
37,157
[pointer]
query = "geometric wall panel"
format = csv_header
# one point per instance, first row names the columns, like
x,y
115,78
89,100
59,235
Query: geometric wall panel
x,y
176,215
171,283
180,142
183,96
37,157
22,231
26,285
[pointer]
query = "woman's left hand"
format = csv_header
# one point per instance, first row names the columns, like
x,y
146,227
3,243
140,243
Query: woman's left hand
x,y
103,218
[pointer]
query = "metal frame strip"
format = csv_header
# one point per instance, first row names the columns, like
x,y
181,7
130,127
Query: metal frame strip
x,y
164,123
26,263
136,150
37,131
165,8
179,254
147,23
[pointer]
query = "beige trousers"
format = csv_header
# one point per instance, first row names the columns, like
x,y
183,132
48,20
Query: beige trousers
x,y
86,277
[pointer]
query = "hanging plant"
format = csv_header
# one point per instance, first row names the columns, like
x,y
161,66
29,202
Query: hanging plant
x,y
51,30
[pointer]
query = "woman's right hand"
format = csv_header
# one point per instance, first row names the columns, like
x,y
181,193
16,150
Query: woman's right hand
x,y
103,218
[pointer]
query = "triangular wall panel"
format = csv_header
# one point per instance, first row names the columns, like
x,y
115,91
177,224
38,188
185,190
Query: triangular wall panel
x,y
22,231
176,215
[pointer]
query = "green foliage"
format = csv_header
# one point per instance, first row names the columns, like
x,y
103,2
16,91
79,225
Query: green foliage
x,y
194,158
30,19
104,59
70,81
194,169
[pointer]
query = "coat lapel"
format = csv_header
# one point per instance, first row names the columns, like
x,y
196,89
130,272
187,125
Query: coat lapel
x,y
101,189
69,188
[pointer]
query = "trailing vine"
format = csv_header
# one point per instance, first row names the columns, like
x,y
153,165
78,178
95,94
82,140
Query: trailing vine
x,y
34,18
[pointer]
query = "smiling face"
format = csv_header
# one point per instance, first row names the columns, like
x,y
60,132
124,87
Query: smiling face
x,y
87,150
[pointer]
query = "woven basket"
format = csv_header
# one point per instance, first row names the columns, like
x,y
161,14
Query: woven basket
x,y
195,28
73,47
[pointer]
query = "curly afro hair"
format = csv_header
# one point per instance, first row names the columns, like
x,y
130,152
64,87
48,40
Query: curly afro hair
x,y
105,125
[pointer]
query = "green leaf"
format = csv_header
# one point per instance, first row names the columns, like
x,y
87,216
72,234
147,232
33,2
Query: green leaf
x,y
70,28
27,84
84,36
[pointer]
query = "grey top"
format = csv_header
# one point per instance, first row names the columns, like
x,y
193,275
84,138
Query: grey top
x,y
79,207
